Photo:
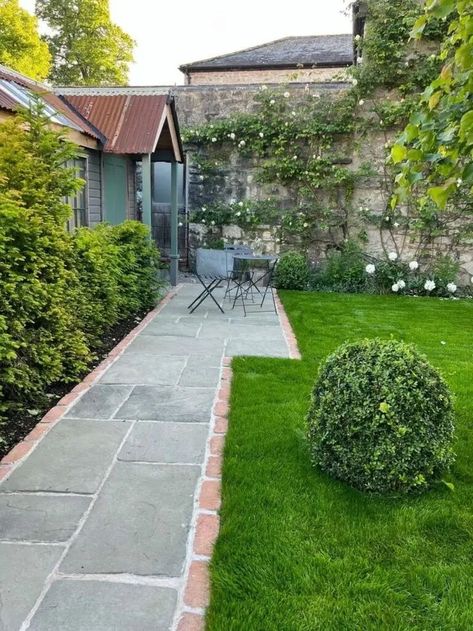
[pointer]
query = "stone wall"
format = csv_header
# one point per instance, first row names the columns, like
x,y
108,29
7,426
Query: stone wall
x,y
236,179
246,77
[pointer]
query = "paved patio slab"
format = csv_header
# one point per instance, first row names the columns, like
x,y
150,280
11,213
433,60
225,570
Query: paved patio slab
x,y
139,524
137,367
148,403
42,518
100,402
98,606
72,459
130,523
166,442
23,570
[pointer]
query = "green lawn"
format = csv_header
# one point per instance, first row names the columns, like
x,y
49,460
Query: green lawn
x,y
299,551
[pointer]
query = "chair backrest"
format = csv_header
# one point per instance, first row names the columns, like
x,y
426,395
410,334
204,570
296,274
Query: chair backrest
x,y
211,263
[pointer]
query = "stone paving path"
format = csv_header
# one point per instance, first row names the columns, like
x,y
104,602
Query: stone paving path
x,y
95,521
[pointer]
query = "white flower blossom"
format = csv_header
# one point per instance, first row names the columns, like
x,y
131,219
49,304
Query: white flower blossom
x,y
396,224
429,285
264,87
232,136
293,113
459,182
203,220
272,102
392,256
286,124
413,265
451,288
361,102
402,284
370,268
387,218
287,95
395,288
240,203
261,135
242,143
355,81
238,213
357,38
204,209
212,223
359,60
306,225
214,139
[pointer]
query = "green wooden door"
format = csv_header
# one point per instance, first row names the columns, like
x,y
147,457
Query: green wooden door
x,y
115,189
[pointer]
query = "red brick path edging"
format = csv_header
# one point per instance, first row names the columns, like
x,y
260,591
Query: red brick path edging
x,y
16,455
197,582
287,330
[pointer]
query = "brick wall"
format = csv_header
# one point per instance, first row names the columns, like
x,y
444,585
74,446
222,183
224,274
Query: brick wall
x,y
246,77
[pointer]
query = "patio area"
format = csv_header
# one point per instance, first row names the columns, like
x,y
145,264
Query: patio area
x,y
97,522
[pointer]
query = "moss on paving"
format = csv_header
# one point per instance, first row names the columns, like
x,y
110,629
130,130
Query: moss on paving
x,y
298,551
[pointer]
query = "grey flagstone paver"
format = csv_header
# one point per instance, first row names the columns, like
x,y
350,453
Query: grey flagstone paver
x,y
166,442
100,402
23,571
139,520
72,458
139,524
44,518
98,606
159,403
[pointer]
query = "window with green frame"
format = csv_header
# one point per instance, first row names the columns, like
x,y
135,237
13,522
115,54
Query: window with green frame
x,y
78,202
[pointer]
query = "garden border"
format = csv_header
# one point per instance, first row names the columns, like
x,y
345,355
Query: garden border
x,y
191,609
21,450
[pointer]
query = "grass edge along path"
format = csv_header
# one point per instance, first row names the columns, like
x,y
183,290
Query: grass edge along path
x,y
298,551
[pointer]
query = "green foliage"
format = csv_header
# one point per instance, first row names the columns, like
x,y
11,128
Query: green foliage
x,y
58,292
344,270
389,59
292,271
21,47
246,214
87,48
381,418
434,152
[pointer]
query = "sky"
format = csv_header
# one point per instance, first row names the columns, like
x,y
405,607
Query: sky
x,y
169,34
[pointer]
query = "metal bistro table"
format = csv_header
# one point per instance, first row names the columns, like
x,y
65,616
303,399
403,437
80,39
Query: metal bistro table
x,y
246,279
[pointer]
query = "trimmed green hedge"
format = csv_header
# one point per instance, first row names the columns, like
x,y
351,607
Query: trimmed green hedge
x,y
381,418
59,292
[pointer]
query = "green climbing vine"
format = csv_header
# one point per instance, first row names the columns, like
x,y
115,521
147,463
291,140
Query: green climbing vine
x,y
301,143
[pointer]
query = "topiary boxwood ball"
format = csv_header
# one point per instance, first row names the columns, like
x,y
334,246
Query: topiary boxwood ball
x,y
381,418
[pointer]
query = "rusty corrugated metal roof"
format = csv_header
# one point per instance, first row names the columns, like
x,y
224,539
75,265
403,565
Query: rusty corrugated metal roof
x,y
44,92
130,123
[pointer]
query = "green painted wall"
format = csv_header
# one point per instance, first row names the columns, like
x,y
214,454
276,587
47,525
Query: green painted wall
x,y
115,188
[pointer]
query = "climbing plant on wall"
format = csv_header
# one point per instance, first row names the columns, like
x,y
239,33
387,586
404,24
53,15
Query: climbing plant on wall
x,y
304,141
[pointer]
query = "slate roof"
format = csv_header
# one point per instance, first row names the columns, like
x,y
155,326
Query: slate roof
x,y
289,52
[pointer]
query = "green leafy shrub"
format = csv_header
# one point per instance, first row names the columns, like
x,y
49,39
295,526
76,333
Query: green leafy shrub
x,y
292,271
59,292
381,418
344,270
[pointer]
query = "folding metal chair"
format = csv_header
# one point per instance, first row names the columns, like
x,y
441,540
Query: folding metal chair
x,y
211,270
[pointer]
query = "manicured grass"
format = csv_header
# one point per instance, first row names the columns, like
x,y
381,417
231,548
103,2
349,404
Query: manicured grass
x,y
298,551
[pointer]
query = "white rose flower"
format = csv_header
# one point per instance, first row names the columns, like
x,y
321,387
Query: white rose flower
x,y
459,182
232,136
451,287
204,209
357,38
305,225
355,81
370,268
287,95
413,265
212,223
429,285
264,87
214,139
242,143
294,157
361,102
402,284
395,288
261,135
272,102
203,220
238,213
180,224
392,256
396,224
293,113
240,203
